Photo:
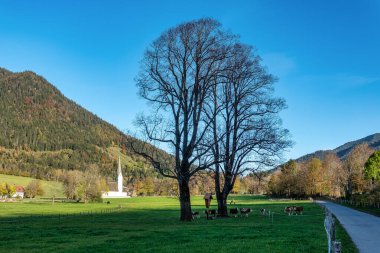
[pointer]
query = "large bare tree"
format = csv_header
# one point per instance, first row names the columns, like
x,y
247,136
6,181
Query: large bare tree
x,y
178,73
247,131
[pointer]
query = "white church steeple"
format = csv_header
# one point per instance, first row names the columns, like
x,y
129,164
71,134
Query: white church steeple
x,y
119,178
119,193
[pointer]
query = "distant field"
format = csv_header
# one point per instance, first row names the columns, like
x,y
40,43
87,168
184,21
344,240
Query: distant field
x,y
151,224
50,188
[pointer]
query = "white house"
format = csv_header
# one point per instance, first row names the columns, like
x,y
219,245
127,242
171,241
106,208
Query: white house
x,y
19,192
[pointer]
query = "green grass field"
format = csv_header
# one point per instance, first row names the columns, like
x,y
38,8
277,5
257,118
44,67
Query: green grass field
x,y
51,188
151,224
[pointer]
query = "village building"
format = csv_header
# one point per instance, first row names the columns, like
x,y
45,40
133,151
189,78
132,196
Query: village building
x,y
19,192
119,193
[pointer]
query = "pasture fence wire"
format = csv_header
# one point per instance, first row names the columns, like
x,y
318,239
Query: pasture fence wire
x,y
334,246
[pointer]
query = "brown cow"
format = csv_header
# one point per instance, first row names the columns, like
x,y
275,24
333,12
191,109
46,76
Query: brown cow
x,y
234,212
210,214
298,209
289,209
195,215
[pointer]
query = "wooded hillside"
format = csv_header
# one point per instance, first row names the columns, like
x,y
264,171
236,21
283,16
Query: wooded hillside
x,y
42,131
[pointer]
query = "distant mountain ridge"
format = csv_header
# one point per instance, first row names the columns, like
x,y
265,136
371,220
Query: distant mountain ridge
x,y
343,150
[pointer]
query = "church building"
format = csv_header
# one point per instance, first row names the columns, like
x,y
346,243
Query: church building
x,y
119,193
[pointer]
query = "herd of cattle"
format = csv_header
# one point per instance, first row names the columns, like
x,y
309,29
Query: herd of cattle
x,y
212,213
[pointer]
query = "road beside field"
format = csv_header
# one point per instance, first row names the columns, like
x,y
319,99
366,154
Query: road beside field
x,y
363,228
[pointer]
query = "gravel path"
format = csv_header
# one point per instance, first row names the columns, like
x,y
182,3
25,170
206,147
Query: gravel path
x,y
363,228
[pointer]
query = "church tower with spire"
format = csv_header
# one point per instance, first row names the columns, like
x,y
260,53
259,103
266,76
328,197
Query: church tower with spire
x,y
119,178
119,193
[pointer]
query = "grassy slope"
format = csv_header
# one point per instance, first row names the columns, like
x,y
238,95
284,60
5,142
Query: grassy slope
x,y
115,152
151,225
50,188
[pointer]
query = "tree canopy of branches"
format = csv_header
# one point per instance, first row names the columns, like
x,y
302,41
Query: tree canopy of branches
x,y
247,131
177,76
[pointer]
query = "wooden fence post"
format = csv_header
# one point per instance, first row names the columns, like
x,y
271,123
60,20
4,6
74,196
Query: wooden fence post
x,y
333,245
337,247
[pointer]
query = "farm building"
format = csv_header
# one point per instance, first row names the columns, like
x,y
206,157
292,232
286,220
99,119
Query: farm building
x,y
19,192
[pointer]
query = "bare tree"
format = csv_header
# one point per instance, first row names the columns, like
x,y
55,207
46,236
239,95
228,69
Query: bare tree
x,y
178,73
247,131
354,168
334,176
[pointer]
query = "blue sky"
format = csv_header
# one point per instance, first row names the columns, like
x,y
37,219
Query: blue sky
x,y
325,53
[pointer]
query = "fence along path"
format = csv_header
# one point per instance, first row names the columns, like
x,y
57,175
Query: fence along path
x,y
363,228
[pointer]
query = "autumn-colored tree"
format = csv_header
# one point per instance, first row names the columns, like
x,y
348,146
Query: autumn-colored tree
x,y
330,177
354,169
237,184
10,190
3,190
248,184
72,184
148,186
165,187
34,189
314,177
92,184
333,176
274,184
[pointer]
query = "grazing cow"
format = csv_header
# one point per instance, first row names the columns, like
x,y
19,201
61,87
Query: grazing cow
x,y
210,214
298,209
195,215
234,212
289,209
245,211
263,211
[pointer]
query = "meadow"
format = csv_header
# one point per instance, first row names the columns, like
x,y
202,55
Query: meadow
x,y
151,224
51,188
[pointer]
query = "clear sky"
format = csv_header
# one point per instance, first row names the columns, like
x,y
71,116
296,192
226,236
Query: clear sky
x,y
325,53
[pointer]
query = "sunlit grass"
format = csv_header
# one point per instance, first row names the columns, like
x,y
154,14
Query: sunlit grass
x,y
50,188
151,224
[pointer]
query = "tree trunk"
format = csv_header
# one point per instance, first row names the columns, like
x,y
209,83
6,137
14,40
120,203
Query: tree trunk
x,y
223,195
184,199
222,201
222,204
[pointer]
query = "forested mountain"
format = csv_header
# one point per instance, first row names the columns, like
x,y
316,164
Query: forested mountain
x,y
42,131
343,150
